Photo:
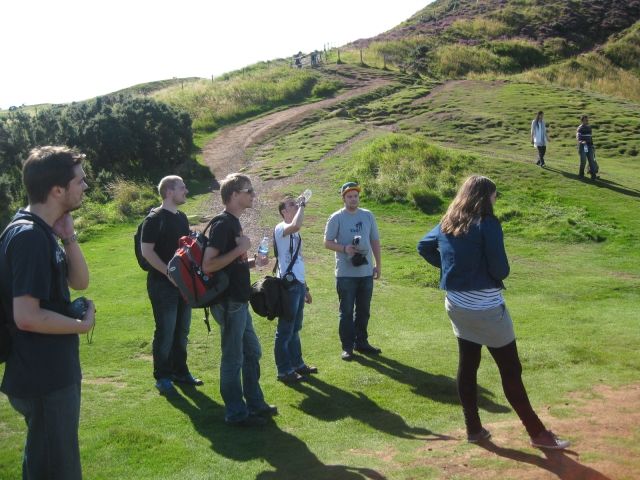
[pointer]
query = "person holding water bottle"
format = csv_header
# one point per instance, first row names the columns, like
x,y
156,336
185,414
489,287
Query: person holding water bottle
x,y
226,250
290,267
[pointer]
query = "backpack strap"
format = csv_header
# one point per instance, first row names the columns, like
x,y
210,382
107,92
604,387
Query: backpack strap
x,y
293,259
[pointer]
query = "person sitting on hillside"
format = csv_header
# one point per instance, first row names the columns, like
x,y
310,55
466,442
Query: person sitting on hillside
x,y
586,150
468,248
539,137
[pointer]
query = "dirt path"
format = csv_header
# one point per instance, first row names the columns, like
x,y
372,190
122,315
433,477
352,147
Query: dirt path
x,y
227,152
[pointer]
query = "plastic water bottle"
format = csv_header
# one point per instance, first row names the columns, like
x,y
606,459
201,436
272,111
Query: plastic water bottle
x,y
307,195
263,250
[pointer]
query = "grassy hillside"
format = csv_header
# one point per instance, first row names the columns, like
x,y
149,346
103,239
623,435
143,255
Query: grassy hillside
x,y
573,294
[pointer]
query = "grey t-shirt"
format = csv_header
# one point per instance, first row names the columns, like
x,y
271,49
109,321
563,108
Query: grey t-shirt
x,y
342,227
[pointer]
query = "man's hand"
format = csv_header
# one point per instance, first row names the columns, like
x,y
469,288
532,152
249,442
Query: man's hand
x,y
89,319
261,262
307,297
350,250
63,227
376,272
243,242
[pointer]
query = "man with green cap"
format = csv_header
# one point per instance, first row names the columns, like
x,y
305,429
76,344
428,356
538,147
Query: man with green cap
x,y
352,233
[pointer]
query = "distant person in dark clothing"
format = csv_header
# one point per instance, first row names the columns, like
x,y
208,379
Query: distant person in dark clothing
x,y
468,248
172,315
42,374
586,150
539,137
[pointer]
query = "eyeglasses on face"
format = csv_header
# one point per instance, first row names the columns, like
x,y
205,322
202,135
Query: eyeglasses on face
x,y
250,191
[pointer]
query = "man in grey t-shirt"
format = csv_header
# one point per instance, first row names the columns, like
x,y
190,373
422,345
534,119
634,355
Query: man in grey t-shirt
x,y
352,233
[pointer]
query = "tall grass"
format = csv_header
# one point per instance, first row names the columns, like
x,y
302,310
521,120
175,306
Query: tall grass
x,y
214,103
591,71
408,169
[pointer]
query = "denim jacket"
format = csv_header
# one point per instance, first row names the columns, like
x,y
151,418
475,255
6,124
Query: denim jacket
x,y
473,261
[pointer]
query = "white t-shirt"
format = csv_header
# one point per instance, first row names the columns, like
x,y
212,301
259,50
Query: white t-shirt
x,y
287,246
539,132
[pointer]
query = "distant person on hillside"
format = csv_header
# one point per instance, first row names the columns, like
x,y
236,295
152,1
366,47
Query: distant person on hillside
x,y
468,248
241,351
288,243
539,137
586,150
42,374
160,234
352,233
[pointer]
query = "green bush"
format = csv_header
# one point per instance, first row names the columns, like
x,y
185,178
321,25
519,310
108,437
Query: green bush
x,y
325,88
132,199
523,55
403,168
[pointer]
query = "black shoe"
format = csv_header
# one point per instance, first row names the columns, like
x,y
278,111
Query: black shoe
x,y
366,348
266,411
347,355
306,370
538,162
290,378
581,175
187,379
542,164
249,421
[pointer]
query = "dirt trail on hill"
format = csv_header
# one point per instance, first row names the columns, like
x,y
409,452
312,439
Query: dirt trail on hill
x,y
227,152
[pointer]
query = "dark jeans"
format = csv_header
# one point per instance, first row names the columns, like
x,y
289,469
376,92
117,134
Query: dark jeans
x,y
287,347
51,451
542,149
354,292
240,361
173,320
511,375
589,156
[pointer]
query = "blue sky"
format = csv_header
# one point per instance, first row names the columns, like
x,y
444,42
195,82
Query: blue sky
x,y
59,51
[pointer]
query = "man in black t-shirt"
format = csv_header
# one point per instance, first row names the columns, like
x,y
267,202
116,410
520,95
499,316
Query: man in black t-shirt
x,y
241,350
160,234
42,373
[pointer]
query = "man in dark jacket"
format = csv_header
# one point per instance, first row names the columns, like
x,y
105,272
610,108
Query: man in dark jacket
x,y
586,149
42,374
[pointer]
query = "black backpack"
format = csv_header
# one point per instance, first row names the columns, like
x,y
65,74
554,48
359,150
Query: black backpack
x,y
7,327
137,240
269,298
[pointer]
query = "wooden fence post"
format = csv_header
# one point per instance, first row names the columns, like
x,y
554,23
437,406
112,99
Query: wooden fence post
x,y
361,62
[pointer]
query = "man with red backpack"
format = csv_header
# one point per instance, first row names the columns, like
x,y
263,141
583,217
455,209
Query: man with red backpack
x,y
161,231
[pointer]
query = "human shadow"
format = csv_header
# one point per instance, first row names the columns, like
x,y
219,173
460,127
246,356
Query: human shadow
x,y
288,456
600,182
329,403
439,388
557,462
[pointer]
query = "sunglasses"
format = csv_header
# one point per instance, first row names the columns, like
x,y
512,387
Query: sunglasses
x,y
250,191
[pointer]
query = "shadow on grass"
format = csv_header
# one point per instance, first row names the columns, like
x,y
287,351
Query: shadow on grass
x,y
600,183
438,388
557,462
289,457
329,403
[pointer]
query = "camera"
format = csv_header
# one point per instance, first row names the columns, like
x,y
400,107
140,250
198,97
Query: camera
x,y
358,259
78,308
356,240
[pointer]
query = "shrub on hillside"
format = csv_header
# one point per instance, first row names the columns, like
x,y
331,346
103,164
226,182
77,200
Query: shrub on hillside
x,y
478,28
403,168
522,55
459,60
625,52
132,199
325,88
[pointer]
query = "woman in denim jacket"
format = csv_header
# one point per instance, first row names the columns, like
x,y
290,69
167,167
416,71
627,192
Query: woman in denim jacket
x,y
468,248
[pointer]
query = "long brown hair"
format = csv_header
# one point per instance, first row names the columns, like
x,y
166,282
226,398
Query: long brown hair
x,y
471,204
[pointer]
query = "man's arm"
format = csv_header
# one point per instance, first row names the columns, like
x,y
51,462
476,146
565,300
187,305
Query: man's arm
x,y
152,257
375,248
296,223
78,271
213,261
337,247
30,317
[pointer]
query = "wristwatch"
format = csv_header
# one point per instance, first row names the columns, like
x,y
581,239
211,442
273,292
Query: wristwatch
x,y
69,240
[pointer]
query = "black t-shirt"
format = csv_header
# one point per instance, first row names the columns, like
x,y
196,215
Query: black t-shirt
x,y
32,263
222,237
164,229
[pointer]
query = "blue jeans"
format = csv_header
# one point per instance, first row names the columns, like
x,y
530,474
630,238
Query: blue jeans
x,y
354,292
51,450
173,321
287,348
588,155
240,362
